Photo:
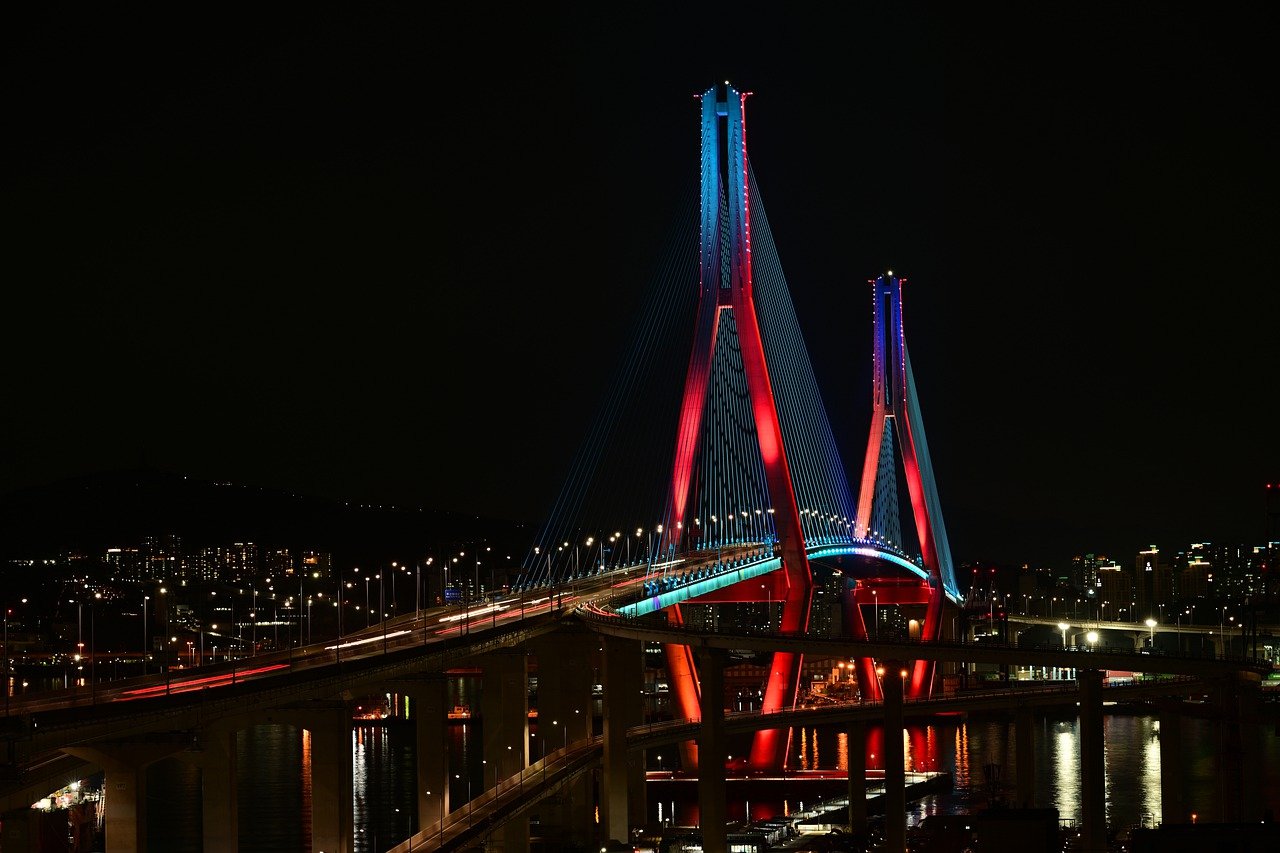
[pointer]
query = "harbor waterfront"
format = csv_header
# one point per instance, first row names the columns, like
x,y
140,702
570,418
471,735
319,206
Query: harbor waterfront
x,y
978,753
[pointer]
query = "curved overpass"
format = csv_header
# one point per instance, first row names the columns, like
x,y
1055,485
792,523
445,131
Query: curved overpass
x,y
702,574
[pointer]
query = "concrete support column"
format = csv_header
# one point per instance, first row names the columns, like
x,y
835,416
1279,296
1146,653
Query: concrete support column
x,y
711,749
1024,747
504,703
1173,807
217,763
1093,795
623,688
857,738
429,698
1249,710
895,776
1238,754
125,784
637,790
326,745
564,716
124,767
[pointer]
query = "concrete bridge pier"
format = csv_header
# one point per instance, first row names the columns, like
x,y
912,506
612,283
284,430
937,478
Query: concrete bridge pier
x,y
429,701
326,746
1025,757
857,749
623,681
711,749
504,703
1173,807
216,758
1093,802
124,767
1239,749
892,683
564,717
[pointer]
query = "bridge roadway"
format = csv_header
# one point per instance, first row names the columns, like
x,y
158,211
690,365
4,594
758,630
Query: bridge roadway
x,y
40,727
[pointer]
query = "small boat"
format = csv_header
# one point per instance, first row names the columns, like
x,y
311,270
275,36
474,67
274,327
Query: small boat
x,y
460,712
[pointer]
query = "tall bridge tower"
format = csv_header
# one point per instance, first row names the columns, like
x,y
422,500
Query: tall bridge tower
x,y
896,416
725,288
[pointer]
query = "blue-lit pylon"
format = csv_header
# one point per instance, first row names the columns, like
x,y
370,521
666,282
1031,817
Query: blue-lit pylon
x,y
726,245
896,414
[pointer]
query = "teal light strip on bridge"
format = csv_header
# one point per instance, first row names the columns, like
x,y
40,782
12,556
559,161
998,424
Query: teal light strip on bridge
x,y
865,551
887,556
683,593
664,600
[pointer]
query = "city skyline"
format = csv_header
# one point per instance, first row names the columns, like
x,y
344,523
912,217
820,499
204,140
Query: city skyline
x,y
319,256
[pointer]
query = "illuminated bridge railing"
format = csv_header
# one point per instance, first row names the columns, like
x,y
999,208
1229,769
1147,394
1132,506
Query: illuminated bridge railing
x,y
662,591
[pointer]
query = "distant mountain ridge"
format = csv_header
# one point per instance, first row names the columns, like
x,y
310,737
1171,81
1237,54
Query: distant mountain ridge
x,y
119,508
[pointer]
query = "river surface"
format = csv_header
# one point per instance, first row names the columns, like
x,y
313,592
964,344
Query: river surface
x,y
274,796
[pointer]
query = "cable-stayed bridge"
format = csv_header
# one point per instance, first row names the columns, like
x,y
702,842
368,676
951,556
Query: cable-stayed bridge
x,y
754,462
719,451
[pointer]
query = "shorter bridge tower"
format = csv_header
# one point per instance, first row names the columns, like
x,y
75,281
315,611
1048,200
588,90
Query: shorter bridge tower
x,y
897,431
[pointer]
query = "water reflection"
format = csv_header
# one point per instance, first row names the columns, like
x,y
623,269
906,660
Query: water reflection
x,y
980,755
274,780
270,790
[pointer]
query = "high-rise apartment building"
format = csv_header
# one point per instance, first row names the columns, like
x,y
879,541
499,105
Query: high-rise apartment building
x,y
1115,590
317,564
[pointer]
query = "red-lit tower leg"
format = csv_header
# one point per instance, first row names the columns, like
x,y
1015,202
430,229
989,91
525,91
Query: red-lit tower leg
x,y
724,171
896,407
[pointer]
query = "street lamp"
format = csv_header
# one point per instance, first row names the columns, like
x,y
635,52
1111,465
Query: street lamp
x,y
1092,637
145,599
1063,626
6,660
1151,626
367,610
875,598
394,598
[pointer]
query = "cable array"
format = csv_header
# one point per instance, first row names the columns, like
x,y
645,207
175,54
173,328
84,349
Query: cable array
x,y
611,511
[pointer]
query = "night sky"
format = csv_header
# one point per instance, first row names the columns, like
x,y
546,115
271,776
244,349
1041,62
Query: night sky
x,y
392,254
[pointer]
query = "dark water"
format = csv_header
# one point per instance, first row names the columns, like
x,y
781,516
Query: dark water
x,y
274,799
967,747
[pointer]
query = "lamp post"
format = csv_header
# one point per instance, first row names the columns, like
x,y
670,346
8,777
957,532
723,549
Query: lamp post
x,y
6,659
93,652
145,599
1063,626
875,598
367,609
1151,626
1092,637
